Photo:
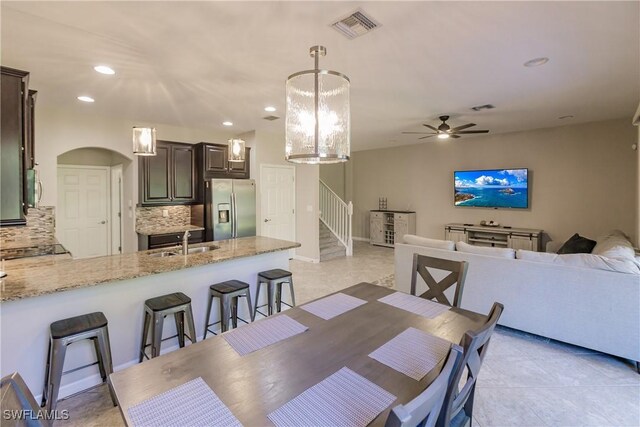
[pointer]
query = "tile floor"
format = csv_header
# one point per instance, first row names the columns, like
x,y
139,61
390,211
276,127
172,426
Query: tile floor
x,y
526,380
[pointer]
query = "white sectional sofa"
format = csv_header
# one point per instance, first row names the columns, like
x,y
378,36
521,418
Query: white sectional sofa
x,y
588,307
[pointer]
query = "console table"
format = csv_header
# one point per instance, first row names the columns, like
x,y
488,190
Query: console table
x,y
499,237
387,227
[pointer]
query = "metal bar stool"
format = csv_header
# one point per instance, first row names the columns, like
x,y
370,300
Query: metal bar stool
x,y
91,326
274,280
228,293
157,309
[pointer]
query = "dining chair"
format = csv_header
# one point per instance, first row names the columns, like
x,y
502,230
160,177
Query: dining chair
x,y
424,409
435,289
458,403
18,404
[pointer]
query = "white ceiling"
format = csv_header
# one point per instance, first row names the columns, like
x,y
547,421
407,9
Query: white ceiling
x,y
197,64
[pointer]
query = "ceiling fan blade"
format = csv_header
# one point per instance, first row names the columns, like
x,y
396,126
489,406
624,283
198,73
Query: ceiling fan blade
x,y
428,136
454,136
430,127
419,133
468,125
472,131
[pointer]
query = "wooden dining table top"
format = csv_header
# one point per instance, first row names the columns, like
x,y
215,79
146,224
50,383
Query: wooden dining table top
x,y
254,385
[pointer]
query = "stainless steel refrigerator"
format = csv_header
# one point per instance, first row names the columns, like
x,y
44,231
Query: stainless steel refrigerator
x,y
230,208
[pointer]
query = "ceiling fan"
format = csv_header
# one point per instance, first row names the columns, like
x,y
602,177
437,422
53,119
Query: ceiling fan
x,y
445,131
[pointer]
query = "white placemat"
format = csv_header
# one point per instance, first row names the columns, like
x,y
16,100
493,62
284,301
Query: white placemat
x,y
254,336
190,404
413,352
333,305
420,306
342,399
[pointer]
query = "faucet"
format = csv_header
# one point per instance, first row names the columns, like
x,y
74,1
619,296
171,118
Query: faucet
x,y
185,242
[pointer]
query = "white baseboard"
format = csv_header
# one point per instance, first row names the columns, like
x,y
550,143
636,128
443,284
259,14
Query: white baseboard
x,y
360,239
306,259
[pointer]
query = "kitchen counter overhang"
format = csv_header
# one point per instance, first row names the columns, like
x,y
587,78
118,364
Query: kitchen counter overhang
x,y
32,277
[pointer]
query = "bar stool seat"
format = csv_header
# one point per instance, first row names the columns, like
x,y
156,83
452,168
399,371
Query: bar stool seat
x,y
156,309
76,325
228,293
64,332
274,279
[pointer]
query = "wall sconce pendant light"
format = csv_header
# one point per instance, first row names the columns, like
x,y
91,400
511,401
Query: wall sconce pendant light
x,y
318,115
236,150
144,141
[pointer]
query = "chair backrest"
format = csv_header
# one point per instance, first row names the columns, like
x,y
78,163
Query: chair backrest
x,y
475,345
16,398
458,272
425,408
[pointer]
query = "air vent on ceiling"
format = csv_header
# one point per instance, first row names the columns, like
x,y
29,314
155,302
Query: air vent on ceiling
x,y
271,118
483,107
356,24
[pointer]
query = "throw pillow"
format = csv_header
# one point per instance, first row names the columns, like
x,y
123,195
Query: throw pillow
x,y
412,239
577,245
485,250
615,245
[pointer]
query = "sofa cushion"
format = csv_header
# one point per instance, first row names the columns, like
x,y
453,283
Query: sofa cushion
x,y
412,239
577,245
598,262
485,250
615,245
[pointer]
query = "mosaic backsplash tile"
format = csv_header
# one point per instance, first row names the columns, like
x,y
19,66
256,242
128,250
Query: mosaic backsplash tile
x,y
151,217
40,226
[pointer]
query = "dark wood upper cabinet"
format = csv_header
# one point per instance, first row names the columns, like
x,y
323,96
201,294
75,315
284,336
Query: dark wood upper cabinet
x,y
212,161
13,135
168,178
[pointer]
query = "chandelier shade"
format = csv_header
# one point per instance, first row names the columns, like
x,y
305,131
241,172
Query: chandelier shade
x,y
236,150
144,141
318,115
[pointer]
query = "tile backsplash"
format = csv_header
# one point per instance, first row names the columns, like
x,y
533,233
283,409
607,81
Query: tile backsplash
x,y
152,216
40,226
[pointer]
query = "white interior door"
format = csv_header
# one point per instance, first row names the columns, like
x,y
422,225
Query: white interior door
x,y
83,210
116,209
277,200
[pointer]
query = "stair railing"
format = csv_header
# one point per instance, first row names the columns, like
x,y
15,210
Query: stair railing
x,y
336,215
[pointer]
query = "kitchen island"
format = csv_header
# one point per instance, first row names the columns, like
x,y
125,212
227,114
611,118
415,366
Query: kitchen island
x,y
38,291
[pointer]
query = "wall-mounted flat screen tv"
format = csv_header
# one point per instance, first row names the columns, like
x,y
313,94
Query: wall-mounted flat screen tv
x,y
492,188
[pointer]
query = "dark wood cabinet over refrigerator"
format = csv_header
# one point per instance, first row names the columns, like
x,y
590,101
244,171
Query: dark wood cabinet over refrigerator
x,y
169,177
213,162
17,145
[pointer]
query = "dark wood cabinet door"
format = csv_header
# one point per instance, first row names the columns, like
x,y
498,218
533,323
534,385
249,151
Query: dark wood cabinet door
x,y
216,161
240,170
155,173
183,173
13,88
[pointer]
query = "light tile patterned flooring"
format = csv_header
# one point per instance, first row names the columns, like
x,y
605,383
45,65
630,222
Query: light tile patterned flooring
x,y
526,380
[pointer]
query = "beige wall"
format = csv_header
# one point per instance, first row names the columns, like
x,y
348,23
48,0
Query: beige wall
x,y
334,176
582,179
92,157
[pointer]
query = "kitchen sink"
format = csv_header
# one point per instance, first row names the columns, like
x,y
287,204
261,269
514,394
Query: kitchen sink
x,y
162,254
201,249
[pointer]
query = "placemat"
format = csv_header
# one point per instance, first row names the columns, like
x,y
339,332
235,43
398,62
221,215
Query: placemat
x,y
333,305
420,306
254,336
190,404
342,399
413,352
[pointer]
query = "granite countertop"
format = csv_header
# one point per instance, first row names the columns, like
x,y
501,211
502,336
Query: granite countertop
x,y
31,277
153,230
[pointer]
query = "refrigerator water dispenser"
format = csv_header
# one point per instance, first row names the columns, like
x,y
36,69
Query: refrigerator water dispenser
x,y
223,212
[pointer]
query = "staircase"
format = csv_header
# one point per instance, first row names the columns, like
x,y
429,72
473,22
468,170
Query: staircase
x,y
330,246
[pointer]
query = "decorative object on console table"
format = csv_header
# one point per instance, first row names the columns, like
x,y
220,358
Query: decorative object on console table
x,y
169,177
382,203
495,236
387,226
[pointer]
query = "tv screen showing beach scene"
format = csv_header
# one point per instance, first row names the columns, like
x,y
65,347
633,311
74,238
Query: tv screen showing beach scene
x,y
495,188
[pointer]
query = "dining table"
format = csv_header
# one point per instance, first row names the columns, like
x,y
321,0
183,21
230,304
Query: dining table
x,y
256,384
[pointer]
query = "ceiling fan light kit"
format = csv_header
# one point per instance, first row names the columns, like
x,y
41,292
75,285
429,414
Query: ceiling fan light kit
x,y
444,131
318,115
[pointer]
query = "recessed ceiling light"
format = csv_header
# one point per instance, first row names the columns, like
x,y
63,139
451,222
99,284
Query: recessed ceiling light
x,y
84,98
270,109
103,69
568,116
536,62
227,123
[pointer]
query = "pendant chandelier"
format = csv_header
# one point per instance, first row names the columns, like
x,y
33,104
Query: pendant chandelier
x,y
144,141
318,115
236,150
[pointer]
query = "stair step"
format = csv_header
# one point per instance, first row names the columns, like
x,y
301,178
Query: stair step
x,y
333,250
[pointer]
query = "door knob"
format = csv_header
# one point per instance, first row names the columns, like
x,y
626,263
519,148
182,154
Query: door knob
x,y
103,222
266,220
